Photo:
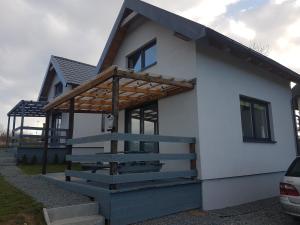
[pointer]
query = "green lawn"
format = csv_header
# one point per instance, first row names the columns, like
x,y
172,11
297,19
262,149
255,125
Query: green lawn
x,y
51,168
18,208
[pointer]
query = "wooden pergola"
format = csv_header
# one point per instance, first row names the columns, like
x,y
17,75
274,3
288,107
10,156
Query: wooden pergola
x,y
110,91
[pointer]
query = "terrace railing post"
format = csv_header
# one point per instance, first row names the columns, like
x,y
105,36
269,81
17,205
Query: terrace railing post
x,y
14,125
46,143
115,113
70,134
193,161
7,132
22,124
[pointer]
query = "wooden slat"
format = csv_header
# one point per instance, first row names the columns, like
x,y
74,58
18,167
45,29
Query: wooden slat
x,y
130,157
105,75
130,177
154,78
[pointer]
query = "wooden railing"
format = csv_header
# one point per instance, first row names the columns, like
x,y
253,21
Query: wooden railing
x,y
33,137
119,159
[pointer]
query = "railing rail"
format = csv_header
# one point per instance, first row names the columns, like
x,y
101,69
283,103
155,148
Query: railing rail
x,y
28,136
133,167
131,137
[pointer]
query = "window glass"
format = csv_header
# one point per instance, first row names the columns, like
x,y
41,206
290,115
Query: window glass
x,y
58,89
255,119
261,121
150,55
294,169
135,62
143,57
246,119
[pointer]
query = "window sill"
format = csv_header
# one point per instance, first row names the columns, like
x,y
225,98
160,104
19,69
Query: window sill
x,y
259,141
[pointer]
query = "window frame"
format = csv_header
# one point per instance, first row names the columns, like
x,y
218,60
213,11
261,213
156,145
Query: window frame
x,y
141,50
56,88
266,104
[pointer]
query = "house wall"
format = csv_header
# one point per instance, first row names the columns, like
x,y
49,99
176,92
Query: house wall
x,y
211,113
177,114
230,167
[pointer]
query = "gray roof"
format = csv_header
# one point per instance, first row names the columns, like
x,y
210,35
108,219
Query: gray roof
x,y
196,32
72,71
68,72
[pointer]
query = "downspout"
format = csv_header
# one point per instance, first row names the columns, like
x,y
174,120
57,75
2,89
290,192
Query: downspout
x,y
294,98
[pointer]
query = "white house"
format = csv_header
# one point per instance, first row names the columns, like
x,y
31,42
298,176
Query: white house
x,y
62,76
239,110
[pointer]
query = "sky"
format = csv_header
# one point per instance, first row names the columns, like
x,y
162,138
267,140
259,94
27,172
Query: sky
x,y
33,30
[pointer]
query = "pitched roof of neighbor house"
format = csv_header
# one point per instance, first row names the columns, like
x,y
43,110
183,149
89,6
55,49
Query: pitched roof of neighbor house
x,y
68,72
73,72
189,29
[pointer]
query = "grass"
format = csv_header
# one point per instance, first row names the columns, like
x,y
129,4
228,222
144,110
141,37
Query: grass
x,y
51,168
17,208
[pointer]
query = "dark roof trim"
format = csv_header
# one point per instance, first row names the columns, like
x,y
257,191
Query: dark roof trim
x,y
192,30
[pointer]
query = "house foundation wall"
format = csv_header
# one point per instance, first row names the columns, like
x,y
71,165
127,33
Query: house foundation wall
x,y
226,192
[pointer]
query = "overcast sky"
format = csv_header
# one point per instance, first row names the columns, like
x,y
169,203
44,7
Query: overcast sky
x,y
32,30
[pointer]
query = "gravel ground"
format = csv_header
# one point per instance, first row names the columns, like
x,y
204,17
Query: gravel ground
x,y
40,188
264,212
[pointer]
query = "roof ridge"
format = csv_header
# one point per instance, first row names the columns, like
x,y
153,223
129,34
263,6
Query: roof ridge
x,y
71,60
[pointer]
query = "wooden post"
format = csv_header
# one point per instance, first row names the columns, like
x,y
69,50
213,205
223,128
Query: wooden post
x,y
193,161
70,134
115,113
7,132
46,143
22,124
14,125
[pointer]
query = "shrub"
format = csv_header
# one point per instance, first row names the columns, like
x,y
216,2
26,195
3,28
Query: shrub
x,y
24,159
33,160
56,159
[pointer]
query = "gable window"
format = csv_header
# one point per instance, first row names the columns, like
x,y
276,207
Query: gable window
x,y
58,89
143,58
255,120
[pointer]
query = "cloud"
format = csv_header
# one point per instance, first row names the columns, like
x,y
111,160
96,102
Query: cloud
x,y
30,31
206,11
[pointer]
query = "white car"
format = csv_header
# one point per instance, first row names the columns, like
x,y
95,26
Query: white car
x,y
290,188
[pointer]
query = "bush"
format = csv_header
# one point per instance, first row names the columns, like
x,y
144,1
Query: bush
x,y
33,160
56,159
24,159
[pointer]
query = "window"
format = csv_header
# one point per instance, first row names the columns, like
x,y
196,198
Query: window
x,y
255,120
294,169
58,89
142,120
143,58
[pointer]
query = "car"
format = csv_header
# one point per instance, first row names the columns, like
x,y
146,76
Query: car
x,y
290,188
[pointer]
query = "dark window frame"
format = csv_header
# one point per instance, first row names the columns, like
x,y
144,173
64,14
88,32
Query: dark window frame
x,y
141,50
266,104
142,107
58,89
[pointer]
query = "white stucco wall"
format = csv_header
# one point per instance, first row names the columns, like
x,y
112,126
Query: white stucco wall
x,y
175,58
223,153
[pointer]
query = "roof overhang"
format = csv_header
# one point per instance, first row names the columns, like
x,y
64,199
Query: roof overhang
x,y
135,89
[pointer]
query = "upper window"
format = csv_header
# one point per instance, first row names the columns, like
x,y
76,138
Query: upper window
x,y
255,120
58,89
143,58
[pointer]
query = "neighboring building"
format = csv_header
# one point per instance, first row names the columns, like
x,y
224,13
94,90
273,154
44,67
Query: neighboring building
x,y
240,110
62,76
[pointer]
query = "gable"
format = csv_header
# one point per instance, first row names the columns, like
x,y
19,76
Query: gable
x,y
67,71
189,29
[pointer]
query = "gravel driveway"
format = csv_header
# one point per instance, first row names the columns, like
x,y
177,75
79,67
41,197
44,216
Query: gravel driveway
x,y
264,212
